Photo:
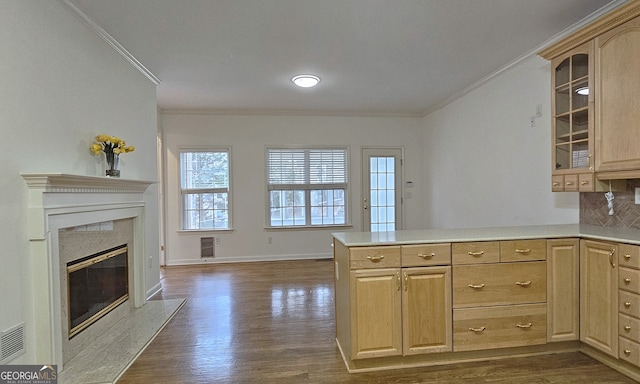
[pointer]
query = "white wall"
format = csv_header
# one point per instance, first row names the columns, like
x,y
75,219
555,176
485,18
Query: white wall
x,y
60,85
484,163
248,136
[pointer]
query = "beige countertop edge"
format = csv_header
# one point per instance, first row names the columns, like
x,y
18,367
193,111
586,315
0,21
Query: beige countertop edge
x,y
456,235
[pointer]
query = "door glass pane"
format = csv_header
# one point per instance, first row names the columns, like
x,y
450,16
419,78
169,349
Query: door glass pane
x,y
382,194
562,72
562,156
580,66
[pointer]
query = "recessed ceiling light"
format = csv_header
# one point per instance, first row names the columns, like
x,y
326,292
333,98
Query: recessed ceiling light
x,y
306,81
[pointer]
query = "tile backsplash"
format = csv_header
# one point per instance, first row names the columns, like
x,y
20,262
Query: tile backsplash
x,y
593,208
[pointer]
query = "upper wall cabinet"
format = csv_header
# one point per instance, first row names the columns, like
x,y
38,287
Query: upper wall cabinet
x,y
617,112
595,112
572,123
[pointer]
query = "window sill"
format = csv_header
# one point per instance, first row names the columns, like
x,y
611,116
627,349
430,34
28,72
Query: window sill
x,y
197,231
309,227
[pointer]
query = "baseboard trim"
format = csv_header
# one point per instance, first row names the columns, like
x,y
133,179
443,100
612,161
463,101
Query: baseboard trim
x,y
248,259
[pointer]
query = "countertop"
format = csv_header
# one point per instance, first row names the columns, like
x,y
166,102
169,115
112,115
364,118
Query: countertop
x,y
425,236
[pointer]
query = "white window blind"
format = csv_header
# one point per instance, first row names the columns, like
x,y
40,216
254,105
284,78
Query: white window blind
x,y
307,186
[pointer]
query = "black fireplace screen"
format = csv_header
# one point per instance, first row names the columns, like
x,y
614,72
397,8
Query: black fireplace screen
x,y
96,285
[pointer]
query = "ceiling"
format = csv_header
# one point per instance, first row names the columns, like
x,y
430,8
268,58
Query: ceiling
x,y
374,57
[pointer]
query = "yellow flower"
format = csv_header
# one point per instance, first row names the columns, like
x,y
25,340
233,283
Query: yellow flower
x,y
102,138
96,148
116,150
131,148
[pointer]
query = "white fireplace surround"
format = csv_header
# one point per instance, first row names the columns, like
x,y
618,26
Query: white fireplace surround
x,y
58,201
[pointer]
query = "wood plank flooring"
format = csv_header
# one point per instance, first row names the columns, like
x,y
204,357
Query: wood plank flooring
x,y
272,322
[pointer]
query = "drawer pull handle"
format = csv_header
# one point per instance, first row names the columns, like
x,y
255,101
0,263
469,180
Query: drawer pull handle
x,y
569,183
627,352
375,259
584,182
406,281
528,325
399,282
426,256
556,184
479,253
476,286
627,328
627,256
477,330
627,281
523,283
627,304
527,250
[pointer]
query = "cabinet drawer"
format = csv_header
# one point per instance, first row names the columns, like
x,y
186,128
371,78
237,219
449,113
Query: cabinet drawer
x,y
629,256
426,254
629,280
499,327
629,303
499,284
523,250
474,253
629,327
374,257
629,351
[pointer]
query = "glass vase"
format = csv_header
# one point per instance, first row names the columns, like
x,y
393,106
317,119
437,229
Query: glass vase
x,y
112,164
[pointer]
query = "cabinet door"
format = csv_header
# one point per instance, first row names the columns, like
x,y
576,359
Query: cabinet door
x,y
599,296
426,310
572,120
376,317
563,287
617,102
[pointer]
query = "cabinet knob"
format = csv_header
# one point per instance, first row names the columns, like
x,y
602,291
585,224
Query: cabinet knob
x,y
569,183
627,281
556,184
627,328
627,256
627,304
584,182
627,352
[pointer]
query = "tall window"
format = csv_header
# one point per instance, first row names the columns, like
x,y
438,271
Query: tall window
x,y
307,186
204,184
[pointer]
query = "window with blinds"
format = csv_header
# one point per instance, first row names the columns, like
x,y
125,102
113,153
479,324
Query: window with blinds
x,y
307,186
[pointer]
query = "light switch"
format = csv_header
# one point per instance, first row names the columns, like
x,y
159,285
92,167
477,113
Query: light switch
x,y
637,195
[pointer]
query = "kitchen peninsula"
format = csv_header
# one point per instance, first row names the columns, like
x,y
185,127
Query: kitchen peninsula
x,y
428,297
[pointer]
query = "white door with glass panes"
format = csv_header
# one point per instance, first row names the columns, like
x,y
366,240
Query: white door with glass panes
x,y
381,189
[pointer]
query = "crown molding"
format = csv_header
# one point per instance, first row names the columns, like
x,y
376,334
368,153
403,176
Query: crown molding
x,y
612,16
110,40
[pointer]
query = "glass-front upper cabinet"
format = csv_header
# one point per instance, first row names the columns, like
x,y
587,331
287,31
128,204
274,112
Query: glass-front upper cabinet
x,y
572,115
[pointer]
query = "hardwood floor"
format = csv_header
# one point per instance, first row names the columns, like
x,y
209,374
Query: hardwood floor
x,y
272,322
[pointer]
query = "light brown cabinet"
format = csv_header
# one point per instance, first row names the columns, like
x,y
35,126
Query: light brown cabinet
x,y
599,295
629,304
398,300
499,294
595,117
376,317
563,290
617,108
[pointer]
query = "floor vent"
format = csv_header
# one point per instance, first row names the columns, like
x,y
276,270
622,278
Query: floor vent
x,y
207,248
12,343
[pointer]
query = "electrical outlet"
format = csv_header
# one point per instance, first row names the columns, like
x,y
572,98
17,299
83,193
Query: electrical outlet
x,y
217,241
637,195
533,121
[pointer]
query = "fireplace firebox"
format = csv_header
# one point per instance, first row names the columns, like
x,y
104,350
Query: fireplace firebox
x,y
97,284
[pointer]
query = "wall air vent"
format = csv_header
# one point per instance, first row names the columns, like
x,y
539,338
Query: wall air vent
x,y
12,343
207,247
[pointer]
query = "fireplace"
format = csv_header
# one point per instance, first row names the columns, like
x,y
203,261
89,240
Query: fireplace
x,y
96,285
66,215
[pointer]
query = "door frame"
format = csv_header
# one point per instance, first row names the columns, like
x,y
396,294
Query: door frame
x,y
366,153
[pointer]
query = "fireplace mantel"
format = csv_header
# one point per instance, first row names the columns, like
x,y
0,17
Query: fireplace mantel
x,y
61,182
57,201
